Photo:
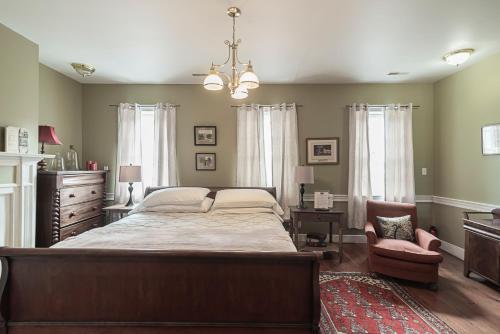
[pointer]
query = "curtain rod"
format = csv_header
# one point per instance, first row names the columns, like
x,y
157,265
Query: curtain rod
x,y
143,105
385,105
265,105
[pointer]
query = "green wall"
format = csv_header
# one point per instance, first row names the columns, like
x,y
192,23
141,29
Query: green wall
x,y
61,107
323,115
18,84
464,102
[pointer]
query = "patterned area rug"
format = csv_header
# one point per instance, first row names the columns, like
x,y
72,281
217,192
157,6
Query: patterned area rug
x,y
363,303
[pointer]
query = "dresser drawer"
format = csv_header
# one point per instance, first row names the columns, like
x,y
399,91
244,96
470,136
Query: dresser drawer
x,y
317,217
74,195
74,213
79,228
70,180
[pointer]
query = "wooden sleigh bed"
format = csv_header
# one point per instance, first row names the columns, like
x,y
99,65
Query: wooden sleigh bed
x,y
84,290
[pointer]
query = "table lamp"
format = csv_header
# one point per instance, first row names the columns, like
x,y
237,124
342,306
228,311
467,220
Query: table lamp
x,y
303,175
46,135
130,174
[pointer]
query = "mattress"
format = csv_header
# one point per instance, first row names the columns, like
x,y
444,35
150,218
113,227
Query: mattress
x,y
256,232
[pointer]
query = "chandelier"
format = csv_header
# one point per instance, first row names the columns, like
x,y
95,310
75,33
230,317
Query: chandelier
x,y
239,82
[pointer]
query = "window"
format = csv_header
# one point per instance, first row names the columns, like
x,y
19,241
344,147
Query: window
x,y
376,138
147,145
268,147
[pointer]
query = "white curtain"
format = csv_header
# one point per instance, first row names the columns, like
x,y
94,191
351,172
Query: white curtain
x,y
129,148
399,174
359,185
277,123
165,154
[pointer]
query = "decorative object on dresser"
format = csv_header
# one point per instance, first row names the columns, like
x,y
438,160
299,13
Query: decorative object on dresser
x,y
117,210
46,135
310,215
68,203
322,151
205,161
490,139
482,244
130,174
205,135
303,175
72,159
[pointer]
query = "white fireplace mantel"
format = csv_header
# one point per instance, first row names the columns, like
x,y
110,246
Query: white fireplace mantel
x,y
18,198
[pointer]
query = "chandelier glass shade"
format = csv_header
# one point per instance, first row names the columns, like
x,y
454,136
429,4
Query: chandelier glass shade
x,y
238,82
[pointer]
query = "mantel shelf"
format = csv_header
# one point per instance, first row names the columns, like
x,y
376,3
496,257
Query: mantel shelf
x,y
28,155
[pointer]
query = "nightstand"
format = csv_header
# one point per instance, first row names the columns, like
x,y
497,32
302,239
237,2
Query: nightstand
x,y
311,215
117,210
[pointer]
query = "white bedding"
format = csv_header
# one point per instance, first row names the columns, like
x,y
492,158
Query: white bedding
x,y
261,232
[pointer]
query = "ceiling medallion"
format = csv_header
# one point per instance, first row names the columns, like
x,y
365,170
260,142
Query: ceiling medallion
x,y
239,82
83,69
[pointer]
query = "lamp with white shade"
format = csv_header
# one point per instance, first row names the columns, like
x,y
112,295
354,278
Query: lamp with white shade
x,y
130,174
303,175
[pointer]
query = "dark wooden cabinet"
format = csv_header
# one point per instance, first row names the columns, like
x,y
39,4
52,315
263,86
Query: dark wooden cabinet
x,y
482,247
68,203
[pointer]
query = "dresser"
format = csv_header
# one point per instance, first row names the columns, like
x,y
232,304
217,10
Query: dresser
x,y
68,203
482,245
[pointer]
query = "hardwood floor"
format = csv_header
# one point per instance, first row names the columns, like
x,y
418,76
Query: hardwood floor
x,y
469,305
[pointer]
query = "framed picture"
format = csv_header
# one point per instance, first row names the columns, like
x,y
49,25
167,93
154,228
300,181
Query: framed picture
x,y
490,139
205,135
205,161
322,151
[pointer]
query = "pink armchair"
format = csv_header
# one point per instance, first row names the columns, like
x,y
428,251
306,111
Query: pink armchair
x,y
415,261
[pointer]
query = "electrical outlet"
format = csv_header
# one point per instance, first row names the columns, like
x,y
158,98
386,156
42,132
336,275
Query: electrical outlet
x,y
424,171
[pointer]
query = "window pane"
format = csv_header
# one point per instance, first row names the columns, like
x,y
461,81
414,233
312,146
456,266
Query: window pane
x,y
147,144
376,136
268,151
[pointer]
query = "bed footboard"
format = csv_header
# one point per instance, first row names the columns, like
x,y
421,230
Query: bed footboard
x,y
124,291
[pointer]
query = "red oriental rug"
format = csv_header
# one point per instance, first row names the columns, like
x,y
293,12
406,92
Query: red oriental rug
x,y
364,303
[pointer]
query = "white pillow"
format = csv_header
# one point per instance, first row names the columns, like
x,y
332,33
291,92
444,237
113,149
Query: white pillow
x,y
176,196
246,198
204,206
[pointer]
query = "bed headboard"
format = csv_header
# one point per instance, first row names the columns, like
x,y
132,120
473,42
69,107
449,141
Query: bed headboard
x,y
214,190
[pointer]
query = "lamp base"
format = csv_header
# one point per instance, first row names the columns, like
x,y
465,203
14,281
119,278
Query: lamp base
x,y
130,200
42,165
301,202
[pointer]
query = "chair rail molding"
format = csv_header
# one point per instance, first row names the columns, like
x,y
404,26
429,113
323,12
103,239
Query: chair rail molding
x,y
18,199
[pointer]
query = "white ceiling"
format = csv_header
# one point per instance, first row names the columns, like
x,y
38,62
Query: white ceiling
x,y
289,41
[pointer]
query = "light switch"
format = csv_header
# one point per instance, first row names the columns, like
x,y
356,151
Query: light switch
x,y
424,171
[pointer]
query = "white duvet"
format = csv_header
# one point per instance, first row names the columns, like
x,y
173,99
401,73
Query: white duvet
x,y
260,232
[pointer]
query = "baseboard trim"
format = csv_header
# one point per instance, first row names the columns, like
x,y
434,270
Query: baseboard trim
x,y
347,238
452,249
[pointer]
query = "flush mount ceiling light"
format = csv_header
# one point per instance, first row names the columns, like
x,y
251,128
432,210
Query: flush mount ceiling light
x,y
458,57
83,69
239,82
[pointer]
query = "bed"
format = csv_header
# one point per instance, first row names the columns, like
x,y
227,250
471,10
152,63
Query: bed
x,y
164,282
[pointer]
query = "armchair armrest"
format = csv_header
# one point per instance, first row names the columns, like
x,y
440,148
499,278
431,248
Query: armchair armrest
x,y
370,233
426,240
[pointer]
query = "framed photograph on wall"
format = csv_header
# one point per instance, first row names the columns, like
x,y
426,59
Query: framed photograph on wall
x,y
490,139
205,161
205,135
322,151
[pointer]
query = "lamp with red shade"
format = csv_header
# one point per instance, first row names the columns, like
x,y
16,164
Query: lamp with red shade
x,y
46,135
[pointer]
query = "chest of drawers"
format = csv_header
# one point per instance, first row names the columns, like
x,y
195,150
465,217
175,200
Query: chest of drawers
x,y
68,203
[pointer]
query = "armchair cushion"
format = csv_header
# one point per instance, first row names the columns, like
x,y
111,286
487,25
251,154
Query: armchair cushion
x,y
426,240
405,251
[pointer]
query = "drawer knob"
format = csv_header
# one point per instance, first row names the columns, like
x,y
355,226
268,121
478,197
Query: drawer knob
x,y
72,214
73,233
94,208
93,192
95,225
72,195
